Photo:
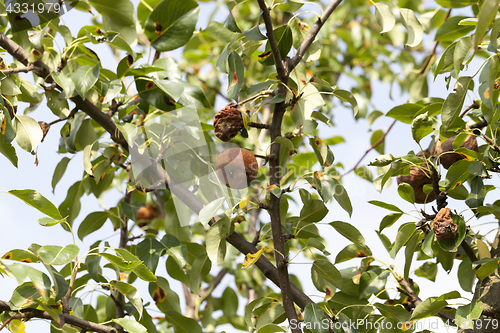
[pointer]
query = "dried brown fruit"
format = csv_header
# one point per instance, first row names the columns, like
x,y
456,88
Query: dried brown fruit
x,y
417,179
444,227
236,167
146,214
45,128
445,150
228,122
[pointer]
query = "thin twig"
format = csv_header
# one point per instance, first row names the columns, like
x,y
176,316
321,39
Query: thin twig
x,y
26,69
29,313
374,145
491,142
260,94
416,300
258,125
474,105
311,36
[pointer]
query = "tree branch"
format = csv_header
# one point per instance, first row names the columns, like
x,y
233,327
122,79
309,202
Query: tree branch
x,y
26,69
306,43
29,313
416,300
280,68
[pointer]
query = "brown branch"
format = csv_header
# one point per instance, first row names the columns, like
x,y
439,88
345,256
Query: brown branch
x,y
119,301
491,142
440,195
474,105
26,69
374,145
416,300
280,68
30,313
258,125
207,292
311,36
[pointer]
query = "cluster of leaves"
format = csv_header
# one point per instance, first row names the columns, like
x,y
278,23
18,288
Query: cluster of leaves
x,y
351,44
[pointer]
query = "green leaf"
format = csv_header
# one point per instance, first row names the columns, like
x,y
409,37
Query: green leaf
x,y
453,104
144,273
466,275
209,211
389,220
64,82
428,270
200,268
352,251
58,255
456,3
216,240
466,314
8,151
341,196
36,200
397,311
171,24
70,207
130,325
415,30
120,262
23,296
404,234
451,30
86,135
85,78
327,271
430,307
29,134
384,16
446,61
182,324
93,222
118,15
349,231
150,251
421,127
315,211
314,317
487,13
372,282
348,97
461,51
457,173
385,205
284,39
404,113
171,88
131,293
236,75
406,192
59,172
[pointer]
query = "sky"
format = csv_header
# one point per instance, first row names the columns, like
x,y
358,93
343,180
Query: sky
x,y
20,229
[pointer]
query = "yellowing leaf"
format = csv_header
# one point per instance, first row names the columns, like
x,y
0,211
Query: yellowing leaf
x,y
251,258
16,326
244,203
466,157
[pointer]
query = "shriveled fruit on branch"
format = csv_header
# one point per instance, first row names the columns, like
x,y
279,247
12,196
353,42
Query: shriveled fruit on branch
x,y
417,179
228,122
445,150
45,128
146,214
444,227
236,167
